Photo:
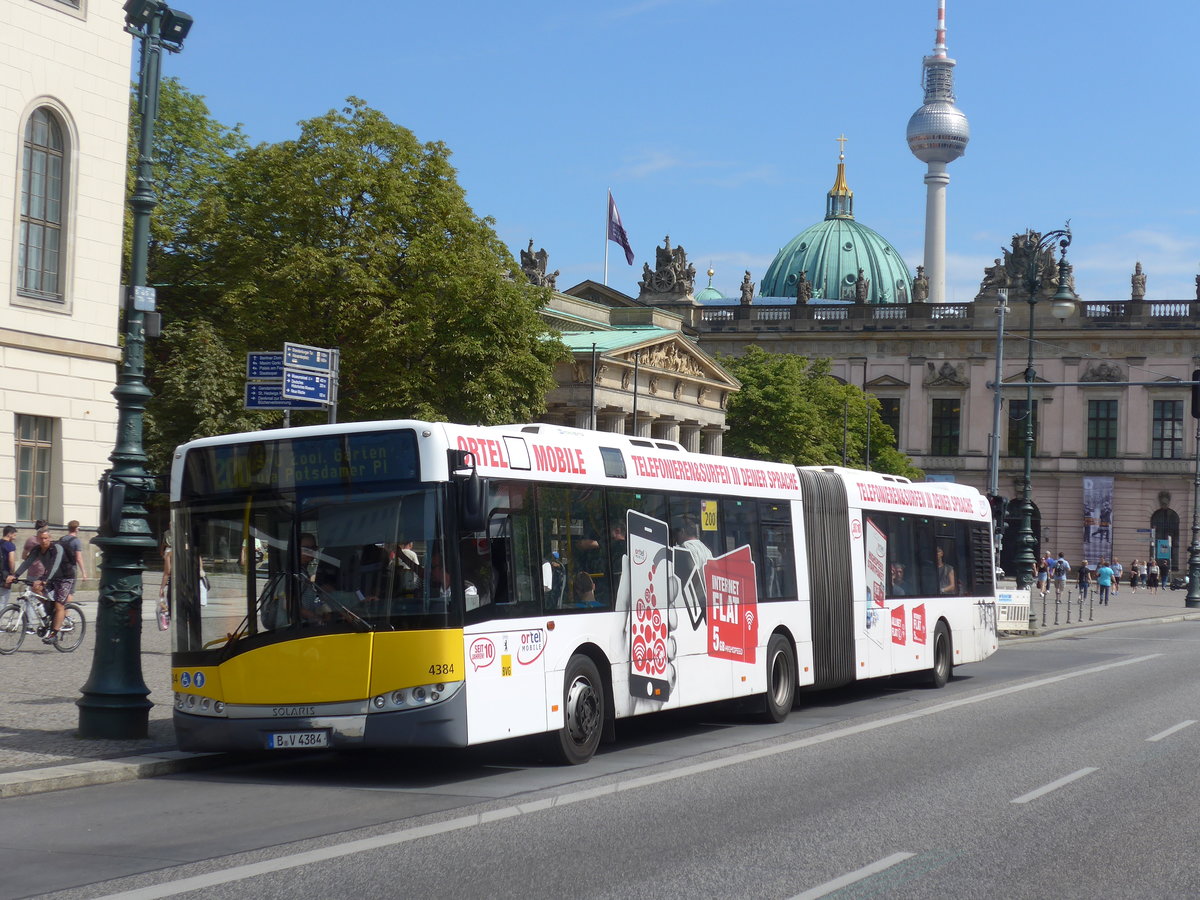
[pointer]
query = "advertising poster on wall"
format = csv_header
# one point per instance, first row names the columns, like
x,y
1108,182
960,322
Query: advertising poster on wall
x,y
1097,518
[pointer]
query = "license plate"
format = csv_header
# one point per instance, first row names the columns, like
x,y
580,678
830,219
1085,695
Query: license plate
x,y
287,740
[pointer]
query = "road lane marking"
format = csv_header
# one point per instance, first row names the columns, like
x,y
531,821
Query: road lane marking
x,y
390,839
857,875
1170,731
1055,785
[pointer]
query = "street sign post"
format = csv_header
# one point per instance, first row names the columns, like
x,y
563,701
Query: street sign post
x,y
269,395
264,366
307,386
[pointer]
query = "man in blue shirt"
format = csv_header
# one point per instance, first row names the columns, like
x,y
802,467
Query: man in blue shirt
x,y
1104,581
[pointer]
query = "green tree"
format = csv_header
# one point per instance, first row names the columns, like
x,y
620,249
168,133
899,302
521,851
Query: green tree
x,y
358,237
791,409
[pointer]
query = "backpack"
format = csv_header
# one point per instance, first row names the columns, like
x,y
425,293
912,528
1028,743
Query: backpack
x,y
66,566
1060,568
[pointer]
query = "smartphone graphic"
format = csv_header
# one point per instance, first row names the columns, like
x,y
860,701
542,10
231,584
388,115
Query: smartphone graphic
x,y
647,540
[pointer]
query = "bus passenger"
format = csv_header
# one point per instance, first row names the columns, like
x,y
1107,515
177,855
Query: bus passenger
x,y
899,583
946,579
583,590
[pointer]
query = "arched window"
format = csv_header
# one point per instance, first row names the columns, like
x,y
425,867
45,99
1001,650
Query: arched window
x,y
43,202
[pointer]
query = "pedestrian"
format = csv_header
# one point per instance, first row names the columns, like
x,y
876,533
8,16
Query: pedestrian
x,y
1061,569
31,544
1118,569
1085,580
73,547
1152,577
1135,571
8,561
1043,577
1105,579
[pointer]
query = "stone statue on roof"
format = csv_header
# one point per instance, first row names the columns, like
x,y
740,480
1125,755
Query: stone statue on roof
x,y
861,286
672,274
804,288
534,267
747,289
920,286
1137,282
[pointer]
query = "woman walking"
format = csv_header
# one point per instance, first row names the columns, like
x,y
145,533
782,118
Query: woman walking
x,y
1152,577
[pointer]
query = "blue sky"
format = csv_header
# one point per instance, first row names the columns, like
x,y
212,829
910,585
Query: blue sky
x,y
715,121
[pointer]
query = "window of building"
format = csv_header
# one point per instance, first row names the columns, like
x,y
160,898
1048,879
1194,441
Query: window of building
x,y
889,412
1167,435
43,201
1017,423
35,454
1102,429
947,415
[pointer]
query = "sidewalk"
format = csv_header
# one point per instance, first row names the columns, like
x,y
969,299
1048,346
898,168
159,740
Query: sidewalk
x,y
40,750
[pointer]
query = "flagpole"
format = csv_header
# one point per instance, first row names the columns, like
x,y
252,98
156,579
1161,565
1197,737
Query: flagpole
x,y
607,213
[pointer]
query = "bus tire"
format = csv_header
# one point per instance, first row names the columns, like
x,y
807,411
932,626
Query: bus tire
x,y
781,679
583,712
942,665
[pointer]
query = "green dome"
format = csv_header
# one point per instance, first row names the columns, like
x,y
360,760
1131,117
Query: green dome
x,y
710,294
831,252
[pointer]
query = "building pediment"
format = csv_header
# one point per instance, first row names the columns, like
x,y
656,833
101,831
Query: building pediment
x,y
678,356
886,381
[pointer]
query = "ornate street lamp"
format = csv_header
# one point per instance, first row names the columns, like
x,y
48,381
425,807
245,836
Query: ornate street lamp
x,y
1062,305
1193,592
114,702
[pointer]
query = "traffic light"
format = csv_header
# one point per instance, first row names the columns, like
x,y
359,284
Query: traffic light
x,y
999,507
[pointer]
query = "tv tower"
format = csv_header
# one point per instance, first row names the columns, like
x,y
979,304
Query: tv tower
x,y
937,135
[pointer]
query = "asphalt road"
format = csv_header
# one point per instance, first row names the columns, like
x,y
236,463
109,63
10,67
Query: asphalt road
x,y
1062,768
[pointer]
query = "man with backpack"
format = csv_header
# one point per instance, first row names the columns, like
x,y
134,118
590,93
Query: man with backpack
x,y
1061,569
73,551
56,582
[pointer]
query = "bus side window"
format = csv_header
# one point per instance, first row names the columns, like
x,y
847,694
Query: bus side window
x,y
779,579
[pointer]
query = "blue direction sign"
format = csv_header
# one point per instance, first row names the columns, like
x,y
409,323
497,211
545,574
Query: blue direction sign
x,y
269,395
261,366
315,359
306,386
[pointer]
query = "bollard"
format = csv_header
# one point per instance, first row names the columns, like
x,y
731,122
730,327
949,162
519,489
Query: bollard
x,y
1091,605
1057,604
1044,609
1068,607
1081,593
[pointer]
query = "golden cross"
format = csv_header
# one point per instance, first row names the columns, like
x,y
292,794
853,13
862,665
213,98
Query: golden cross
x,y
842,145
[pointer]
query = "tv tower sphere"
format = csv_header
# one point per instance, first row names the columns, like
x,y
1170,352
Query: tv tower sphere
x,y
938,132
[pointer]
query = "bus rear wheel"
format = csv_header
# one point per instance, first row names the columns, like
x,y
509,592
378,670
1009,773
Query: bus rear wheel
x,y
940,673
583,712
781,679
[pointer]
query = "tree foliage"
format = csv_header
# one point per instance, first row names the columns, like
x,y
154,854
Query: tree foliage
x,y
353,236
791,409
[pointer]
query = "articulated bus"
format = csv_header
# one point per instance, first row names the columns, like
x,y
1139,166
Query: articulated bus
x,y
417,584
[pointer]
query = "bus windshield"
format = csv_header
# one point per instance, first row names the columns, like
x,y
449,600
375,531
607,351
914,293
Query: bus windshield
x,y
255,563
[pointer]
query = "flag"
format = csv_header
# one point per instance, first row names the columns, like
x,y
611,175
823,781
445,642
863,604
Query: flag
x,y
616,232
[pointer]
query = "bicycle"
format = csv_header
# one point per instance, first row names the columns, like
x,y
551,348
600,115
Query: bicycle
x,y
29,616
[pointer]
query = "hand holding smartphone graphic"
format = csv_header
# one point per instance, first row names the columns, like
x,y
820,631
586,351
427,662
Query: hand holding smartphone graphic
x,y
650,649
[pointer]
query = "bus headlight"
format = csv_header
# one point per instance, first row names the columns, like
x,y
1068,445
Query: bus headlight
x,y
418,695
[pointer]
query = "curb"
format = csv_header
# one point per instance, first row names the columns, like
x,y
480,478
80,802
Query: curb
x,y
1080,629
23,782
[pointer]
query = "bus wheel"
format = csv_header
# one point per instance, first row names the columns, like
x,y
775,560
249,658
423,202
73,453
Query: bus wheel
x,y
583,711
781,679
940,673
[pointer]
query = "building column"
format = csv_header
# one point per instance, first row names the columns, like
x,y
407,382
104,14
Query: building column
x,y
666,429
712,440
583,419
689,436
645,424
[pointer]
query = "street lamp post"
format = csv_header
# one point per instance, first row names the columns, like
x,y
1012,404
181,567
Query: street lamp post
x,y
114,702
1063,303
1193,592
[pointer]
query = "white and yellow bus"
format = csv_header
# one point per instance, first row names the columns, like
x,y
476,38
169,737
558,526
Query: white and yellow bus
x,y
423,584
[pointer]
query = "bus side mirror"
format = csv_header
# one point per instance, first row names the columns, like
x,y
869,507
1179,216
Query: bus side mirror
x,y
112,499
472,491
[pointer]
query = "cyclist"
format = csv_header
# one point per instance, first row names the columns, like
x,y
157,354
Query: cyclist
x,y
57,582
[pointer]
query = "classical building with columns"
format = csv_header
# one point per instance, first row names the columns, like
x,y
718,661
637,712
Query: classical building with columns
x,y
633,371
